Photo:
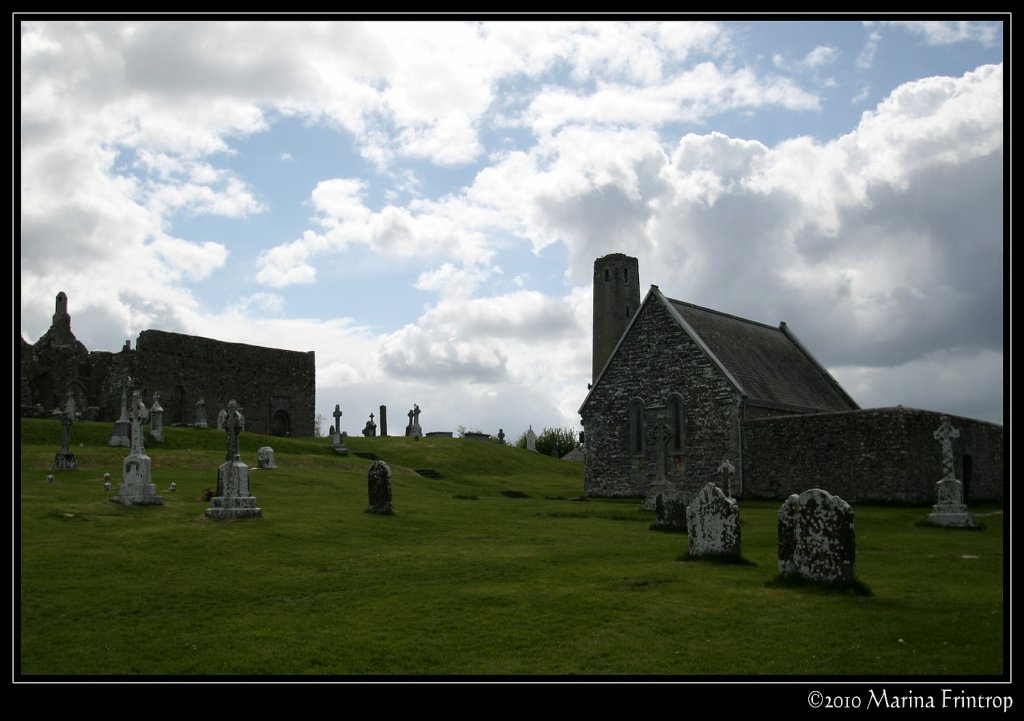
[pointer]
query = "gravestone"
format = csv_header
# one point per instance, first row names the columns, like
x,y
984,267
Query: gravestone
x,y
137,488
378,480
156,419
234,497
65,459
531,440
122,427
669,509
265,457
414,430
201,413
337,440
501,435
949,509
713,523
370,429
816,537
474,436
383,420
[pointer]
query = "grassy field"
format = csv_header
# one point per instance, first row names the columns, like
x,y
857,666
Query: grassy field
x,y
463,579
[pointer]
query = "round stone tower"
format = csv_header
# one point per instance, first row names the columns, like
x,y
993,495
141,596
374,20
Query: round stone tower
x,y
616,299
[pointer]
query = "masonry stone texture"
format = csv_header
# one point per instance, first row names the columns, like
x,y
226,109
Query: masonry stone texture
x,y
276,388
727,387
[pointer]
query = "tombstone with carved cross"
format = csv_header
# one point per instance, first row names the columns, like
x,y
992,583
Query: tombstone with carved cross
x,y
234,497
338,438
370,429
137,487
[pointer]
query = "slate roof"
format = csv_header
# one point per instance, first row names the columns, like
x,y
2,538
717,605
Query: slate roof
x,y
769,364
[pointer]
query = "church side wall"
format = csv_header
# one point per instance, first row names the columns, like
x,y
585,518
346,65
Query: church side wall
x,y
656,360
881,454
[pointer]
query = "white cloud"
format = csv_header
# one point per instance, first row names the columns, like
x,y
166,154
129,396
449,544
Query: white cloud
x,y
866,59
949,32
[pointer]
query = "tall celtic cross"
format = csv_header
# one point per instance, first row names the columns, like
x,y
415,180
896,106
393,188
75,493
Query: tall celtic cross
x,y
337,418
945,434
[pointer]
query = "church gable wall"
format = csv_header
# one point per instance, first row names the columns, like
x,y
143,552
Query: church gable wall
x,y
881,454
656,360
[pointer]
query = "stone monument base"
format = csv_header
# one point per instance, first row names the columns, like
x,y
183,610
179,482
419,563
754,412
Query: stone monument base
x,y
136,489
234,498
658,487
122,435
138,495
951,517
65,461
340,450
225,507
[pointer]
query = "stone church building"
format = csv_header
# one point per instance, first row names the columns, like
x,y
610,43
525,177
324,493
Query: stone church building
x,y
276,389
678,388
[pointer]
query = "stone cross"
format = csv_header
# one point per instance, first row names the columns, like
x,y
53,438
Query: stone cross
x,y
726,468
200,413
66,419
337,417
661,444
139,414
233,424
416,414
501,435
124,397
945,434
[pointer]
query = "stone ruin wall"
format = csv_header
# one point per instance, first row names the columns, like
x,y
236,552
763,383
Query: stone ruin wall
x,y
266,382
275,388
880,454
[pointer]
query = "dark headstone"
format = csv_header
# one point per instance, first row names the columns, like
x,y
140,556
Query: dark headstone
x,y
379,486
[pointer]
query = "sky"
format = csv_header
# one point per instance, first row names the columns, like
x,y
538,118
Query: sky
x,y
421,202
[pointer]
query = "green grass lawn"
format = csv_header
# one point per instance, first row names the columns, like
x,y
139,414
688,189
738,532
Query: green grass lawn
x,y
462,579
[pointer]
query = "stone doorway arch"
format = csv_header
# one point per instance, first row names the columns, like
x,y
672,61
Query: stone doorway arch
x,y
281,424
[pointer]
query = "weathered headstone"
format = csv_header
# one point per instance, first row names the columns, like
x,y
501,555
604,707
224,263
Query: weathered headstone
x,y
378,480
816,537
337,438
156,419
201,414
713,523
949,509
122,427
501,435
265,457
137,488
370,429
669,508
65,459
531,440
383,420
234,497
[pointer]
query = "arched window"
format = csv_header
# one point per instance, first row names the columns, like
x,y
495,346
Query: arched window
x,y
636,426
677,420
